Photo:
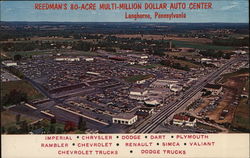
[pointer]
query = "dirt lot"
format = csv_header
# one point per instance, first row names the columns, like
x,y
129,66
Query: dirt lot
x,y
159,37
232,88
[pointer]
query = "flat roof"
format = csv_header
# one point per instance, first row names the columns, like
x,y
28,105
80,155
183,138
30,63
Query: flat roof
x,y
124,116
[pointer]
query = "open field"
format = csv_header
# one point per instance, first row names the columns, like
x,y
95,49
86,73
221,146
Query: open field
x,y
227,76
234,84
7,87
186,63
242,115
159,37
184,54
200,46
8,118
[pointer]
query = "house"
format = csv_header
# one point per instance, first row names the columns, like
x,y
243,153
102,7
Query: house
x,y
179,119
214,88
125,118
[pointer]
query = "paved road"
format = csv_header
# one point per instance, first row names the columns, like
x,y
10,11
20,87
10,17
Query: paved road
x,y
182,101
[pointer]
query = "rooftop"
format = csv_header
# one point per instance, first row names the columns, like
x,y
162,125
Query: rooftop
x,y
213,86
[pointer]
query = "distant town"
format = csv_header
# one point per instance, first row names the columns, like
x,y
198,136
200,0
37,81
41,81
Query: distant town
x,y
73,78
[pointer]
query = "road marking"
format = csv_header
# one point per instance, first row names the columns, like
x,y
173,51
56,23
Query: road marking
x,y
46,113
30,106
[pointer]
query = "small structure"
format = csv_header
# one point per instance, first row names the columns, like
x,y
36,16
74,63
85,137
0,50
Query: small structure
x,y
88,59
125,118
141,81
140,56
214,88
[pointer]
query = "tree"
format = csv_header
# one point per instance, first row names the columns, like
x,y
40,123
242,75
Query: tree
x,y
69,126
3,130
24,128
14,97
81,124
59,131
53,120
18,117
52,129
12,130
17,57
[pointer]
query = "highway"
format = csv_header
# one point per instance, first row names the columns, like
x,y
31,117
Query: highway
x,y
149,125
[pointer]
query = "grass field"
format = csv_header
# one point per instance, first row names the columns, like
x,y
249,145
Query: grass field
x,y
8,119
184,54
242,115
21,85
200,45
186,63
138,78
27,53
225,77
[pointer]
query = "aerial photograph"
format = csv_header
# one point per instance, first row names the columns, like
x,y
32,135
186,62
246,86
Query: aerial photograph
x,y
124,77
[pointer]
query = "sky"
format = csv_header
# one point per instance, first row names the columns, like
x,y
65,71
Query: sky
x,y
226,11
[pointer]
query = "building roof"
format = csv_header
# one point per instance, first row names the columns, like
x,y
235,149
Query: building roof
x,y
125,116
213,86
181,117
142,113
140,90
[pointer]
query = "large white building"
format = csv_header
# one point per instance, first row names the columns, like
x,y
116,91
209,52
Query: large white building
x,y
9,63
67,59
138,94
125,118
140,56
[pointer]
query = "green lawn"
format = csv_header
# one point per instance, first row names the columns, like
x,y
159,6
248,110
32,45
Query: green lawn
x,y
200,46
27,53
186,63
8,119
242,115
21,85
229,75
